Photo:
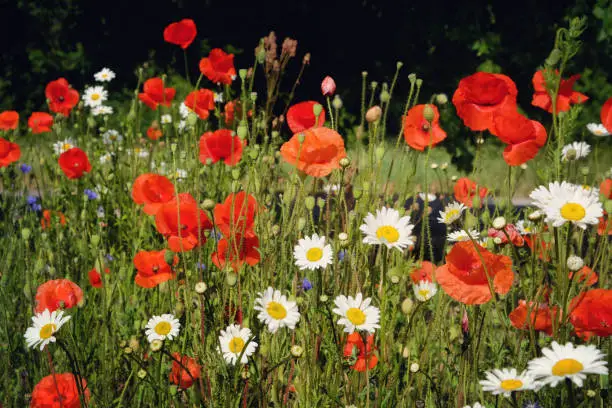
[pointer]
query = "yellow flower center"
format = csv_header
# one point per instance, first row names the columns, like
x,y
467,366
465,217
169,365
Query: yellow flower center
x,y
511,385
236,345
95,97
276,310
47,331
314,254
387,233
573,211
424,293
356,316
567,366
66,146
163,328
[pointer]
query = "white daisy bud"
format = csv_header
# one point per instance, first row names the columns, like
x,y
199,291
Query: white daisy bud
x,y
156,345
591,393
127,350
434,166
141,374
441,99
536,215
499,223
574,263
414,368
200,287
297,351
343,236
344,162
497,241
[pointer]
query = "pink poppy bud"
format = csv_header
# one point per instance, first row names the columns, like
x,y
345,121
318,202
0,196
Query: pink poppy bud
x,y
328,86
465,323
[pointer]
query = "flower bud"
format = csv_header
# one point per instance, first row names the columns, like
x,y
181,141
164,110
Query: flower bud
x,y
25,233
200,287
373,114
242,131
317,108
156,345
379,152
344,162
412,78
323,298
309,202
231,278
441,99
385,96
574,263
337,103
499,223
407,305
141,374
428,113
414,368
297,351
242,73
301,137
301,223
328,86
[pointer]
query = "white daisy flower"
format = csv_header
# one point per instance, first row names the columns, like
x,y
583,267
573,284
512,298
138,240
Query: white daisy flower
x,y
104,75
312,253
387,228
424,290
567,202
430,197
575,151
475,405
106,158
162,327
184,110
94,96
102,110
331,188
111,136
451,213
234,342
180,174
218,97
357,313
166,119
138,152
44,325
276,311
560,362
62,146
598,129
506,381
182,126
525,227
462,235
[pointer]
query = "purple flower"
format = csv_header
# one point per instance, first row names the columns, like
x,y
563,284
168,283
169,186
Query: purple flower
x,y
306,285
109,257
201,266
25,168
92,195
33,204
341,254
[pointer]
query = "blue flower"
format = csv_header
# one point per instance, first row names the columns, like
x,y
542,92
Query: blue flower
x,y
306,285
25,168
341,254
109,257
92,195
201,266
32,202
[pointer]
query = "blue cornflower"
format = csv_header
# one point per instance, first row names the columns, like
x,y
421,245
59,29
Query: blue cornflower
x,y
109,257
33,203
201,266
341,255
92,195
25,168
306,285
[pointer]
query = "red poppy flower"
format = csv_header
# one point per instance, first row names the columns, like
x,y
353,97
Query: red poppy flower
x,y
591,313
154,132
182,222
544,248
58,391
465,191
586,275
95,279
605,225
181,33
464,276
236,215
152,190
365,352
9,120
152,268
565,97
201,102
218,67
9,152
74,163
319,153
540,316
221,144
237,250
40,122
419,133
61,97
481,96
50,218
301,116
229,111
606,115
524,137
605,188
186,373
424,273
58,293
516,238
155,94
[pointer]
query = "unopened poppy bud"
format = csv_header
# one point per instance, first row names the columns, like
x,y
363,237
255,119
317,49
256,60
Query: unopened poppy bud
x,y
574,263
407,305
357,193
95,240
499,223
379,152
242,131
584,171
476,202
428,113
328,86
345,162
373,85
320,202
591,393
192,119
414,368
309,202
373,114
323,298
364,73
297,351
261,54
208,204
25,233
179,309
337,103
253,97
235,173
156,345
242,73
385,96
306,59
301,223
231,278
317,108
141,374
200,287
441,99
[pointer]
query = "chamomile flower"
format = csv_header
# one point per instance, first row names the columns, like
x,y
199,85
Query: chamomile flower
x,y
312,253
598,129
506,381
139,152
94,96
218,97
567,202
102,110
276,311
475,405
424,290
357,313
387,228
62,146
575,151
162,327
430,197
451,213
331,188
462,235
234,342
179,174
166,119
525,227
182,126
561,362
44,326
184,110
106,158
104,75
111,136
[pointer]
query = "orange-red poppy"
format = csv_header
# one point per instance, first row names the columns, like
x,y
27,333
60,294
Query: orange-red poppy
x,y
591,313
154,132
237,250
515,237
541,316
54,388
152,268
424,273
365,352
185,373
218,67
182,223
74,163
156,94
9,152
9,120
544,248
301,116
605,188
56,294
201,102
481,96
221,144
466,278
565,97
95,279
229,112
181,33
61,97
586,276
418,132
319,153
50,218
465,191
605,225
236,215
40,122
152,190
524,137
606,115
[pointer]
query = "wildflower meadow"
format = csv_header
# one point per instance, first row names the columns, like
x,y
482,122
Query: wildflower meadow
x,y
217,241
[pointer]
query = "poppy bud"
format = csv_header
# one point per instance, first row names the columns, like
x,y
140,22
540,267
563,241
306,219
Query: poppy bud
x,y
317,108
301,138
441,99
407,305
179,309
301,223
373,84
379,152
253,97
385,96
242,73
25,233
231,278
357,193
260,53
584,171
345,162
323,298
399,64
608,206
373,114
235,174
428,113
364,73
320,202
192,119
95,240
337,103
328,86
242,131
412,78
309,202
